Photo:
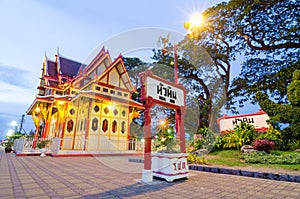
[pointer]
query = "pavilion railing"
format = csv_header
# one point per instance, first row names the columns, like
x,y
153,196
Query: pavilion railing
x,y
104,144
25,145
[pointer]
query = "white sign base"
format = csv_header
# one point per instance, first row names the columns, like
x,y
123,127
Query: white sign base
x,y
147,176
170,166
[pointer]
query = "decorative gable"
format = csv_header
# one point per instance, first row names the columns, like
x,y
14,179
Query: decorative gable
x,y
116,76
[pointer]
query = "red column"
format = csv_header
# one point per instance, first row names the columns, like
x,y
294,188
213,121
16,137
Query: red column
x,y
177,125
87,126
45,129
147,135
75,124
36,135
63,124
180,134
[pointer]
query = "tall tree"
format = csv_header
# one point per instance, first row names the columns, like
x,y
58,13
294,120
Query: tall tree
x,y
286,113
265,33
205,62
270,40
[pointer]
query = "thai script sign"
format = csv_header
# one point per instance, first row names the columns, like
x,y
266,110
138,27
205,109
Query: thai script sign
x,y
258,120
249,120
164,92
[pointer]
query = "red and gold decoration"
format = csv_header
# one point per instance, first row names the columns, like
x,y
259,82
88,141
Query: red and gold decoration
x,y
88,106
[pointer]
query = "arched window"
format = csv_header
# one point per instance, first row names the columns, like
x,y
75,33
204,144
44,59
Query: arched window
x,y
114,126
95,124
70,124
81,123
123,127
105,125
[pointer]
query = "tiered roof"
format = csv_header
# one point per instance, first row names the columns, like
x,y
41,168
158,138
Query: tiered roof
x,y
65,74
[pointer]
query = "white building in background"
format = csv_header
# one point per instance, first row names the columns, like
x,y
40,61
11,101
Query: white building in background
x,y
258,120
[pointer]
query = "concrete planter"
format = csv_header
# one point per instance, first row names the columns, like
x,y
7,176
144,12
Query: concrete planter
x,y
8,150
43,152
170,166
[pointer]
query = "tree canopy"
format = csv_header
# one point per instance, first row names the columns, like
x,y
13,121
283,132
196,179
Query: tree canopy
x,y
270,42
266,34
285,113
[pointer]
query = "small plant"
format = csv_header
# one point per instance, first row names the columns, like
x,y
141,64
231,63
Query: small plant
x,y
193,158
8,146
294,144
166,142
263,145
219,143
42,144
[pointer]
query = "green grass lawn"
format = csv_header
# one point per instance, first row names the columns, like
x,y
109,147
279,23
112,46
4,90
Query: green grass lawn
x,y
234,158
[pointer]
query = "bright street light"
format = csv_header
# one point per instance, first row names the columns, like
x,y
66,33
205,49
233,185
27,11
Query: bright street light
x,y
194,25
37,109
13,123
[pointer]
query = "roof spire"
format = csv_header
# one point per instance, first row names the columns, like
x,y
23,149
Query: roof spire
x,y
58,66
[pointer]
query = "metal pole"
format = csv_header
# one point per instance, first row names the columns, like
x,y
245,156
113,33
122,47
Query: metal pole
x,y
175,64
21,123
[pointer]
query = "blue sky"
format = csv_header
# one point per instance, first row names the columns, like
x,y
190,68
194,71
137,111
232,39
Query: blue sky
x,y
31,28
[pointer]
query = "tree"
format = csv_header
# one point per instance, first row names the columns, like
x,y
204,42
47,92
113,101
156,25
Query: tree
x,y
205,63
285,113
270,41
134,67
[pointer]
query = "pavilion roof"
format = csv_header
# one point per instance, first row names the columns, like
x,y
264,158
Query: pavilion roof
x,y
51,69
69,67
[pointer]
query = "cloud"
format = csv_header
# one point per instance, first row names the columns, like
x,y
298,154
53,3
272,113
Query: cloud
x,y
15,93
15,76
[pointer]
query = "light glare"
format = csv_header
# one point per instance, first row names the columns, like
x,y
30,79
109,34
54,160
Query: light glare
x,y
196,21
9,132
13,123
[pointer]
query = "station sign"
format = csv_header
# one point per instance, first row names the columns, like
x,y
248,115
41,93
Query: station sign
x,y
258,120
164,92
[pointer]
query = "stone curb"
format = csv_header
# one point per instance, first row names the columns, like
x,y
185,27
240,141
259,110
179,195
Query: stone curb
x,y
254,174
136,160
238,172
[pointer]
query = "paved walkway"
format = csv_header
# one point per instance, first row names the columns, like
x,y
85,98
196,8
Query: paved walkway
x,y
110,177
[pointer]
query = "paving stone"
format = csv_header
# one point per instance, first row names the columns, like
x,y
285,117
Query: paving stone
x,y
87,177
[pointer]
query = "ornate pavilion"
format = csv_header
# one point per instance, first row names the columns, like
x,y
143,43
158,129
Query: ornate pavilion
x,y
88,106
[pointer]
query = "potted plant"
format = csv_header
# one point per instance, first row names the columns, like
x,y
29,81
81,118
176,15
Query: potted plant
x,y
42,144
8,146
168,162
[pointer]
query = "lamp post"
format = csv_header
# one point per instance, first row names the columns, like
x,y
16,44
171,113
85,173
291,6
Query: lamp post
x,y
193,28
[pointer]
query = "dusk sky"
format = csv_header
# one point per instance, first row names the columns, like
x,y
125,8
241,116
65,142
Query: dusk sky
x,y
31,28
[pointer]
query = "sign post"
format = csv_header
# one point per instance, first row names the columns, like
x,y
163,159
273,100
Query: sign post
x,y
155,90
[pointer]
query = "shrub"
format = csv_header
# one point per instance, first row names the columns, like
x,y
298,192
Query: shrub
x,y
166,141
293,145
276,158
272,134
263,145
219,143
290,137
205,141
42,144
243,134
193,158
